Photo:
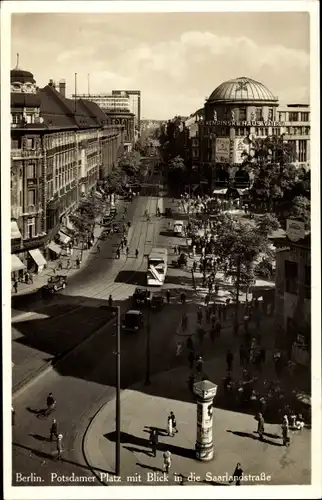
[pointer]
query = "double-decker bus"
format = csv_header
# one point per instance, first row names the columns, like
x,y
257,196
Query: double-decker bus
x,y
157,266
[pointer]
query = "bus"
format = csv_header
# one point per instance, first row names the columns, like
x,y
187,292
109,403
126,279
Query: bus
x,y
178,228
157,266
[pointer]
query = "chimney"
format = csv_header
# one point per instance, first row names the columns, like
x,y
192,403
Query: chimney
x,y
51,83
62,87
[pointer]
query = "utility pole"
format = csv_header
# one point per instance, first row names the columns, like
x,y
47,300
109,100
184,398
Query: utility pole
x,y
148,348
118,393
237,294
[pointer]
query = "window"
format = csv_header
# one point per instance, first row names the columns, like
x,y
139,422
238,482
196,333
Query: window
x,y
16,118
259,114
304,117
31,227
281,116
302,151
31,171
29,143
242,114
290,274
293,117
307,282
270,114
31,197
276,131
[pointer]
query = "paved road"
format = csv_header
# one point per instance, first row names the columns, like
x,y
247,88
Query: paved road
x,y
85,379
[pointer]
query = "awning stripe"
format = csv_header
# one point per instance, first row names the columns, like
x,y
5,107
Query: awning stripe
x,y
16,264
38,257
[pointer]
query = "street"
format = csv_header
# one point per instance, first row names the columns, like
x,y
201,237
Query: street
x,y
86,378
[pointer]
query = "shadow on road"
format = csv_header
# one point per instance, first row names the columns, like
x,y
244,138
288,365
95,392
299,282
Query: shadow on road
x,y
131,278
251,436
145,443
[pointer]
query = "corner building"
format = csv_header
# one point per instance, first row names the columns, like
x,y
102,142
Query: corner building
x,y
236,112
60,149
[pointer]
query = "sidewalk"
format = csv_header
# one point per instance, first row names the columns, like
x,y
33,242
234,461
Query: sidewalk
x,y
144,407
39,280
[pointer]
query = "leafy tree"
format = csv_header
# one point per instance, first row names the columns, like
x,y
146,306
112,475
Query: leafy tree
x,y
301,210
176,164
267,223
130,162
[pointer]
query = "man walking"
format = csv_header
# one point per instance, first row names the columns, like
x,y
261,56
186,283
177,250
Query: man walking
x,y
59,446
154,441
260,425
229,360
53,429
218,328
167,461
174,422
15,286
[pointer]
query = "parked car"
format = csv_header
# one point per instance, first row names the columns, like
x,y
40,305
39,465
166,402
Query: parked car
x,y
141,296
54,284
157,301
133,320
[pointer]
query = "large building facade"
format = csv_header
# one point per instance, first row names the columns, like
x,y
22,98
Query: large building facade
x,y
237,112
60,149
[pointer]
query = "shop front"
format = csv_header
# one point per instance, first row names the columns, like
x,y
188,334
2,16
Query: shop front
x,y
54,250
17,268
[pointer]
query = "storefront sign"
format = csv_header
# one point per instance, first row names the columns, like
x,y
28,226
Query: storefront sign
x,y
252,123
241,145
222,149
295,229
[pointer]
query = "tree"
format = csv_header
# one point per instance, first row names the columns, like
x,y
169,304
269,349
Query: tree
x,y
267,223
176,164
116,179
301,210
130,162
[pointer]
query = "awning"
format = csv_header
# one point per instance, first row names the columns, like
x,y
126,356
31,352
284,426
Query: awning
x,y
69,226
15,232
16,264
55,248
38,257
242,191
220,191
64,238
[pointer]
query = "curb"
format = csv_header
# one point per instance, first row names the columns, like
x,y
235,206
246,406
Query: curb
x,y
19,388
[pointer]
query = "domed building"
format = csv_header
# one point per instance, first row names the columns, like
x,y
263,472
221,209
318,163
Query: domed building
x,y
235,113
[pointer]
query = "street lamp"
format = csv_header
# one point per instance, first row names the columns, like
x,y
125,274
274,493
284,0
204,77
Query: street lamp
x,y
117,313
148,347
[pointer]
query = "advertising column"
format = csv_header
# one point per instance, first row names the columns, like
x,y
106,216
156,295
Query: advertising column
x,y
205,392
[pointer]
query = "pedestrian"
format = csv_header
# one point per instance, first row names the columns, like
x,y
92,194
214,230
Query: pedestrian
x,y
27,278
179,249
174,421
168,294
15,286
242,357
191,358
167,461
260,425
199,364
286,432
98,249
53,429
183,298
59,446
51,403
31,278
78,263
154,439
237,475
175,250
127,251
118,253
110,301
218,329
207,299
13,416
136,253
199,315
229,360
169,427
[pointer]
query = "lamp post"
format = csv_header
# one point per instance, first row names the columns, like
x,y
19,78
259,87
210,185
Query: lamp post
x,y
148,347
118,393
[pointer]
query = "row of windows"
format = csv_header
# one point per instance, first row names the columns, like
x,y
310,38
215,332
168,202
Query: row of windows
x,y
297,130
293,116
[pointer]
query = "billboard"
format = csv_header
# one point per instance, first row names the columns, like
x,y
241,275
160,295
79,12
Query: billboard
x,y
295,229
222,149
241,145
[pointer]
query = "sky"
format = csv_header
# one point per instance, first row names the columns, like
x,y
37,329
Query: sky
x,y
175,59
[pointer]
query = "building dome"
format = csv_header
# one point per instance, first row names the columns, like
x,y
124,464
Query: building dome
x,y
19,75
241,89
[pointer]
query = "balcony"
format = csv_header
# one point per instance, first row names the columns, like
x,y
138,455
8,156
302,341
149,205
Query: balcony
x,y
28,244
19,154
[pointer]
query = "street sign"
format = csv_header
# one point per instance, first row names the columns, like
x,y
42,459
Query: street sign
x,y
295,229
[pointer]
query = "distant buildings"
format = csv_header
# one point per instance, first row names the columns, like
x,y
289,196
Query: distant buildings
x,y
114,101
237,112
60,149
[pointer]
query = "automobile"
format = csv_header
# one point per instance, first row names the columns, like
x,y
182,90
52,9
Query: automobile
x,y
54,283
106,220
141,296
133,320
116,228
157,301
